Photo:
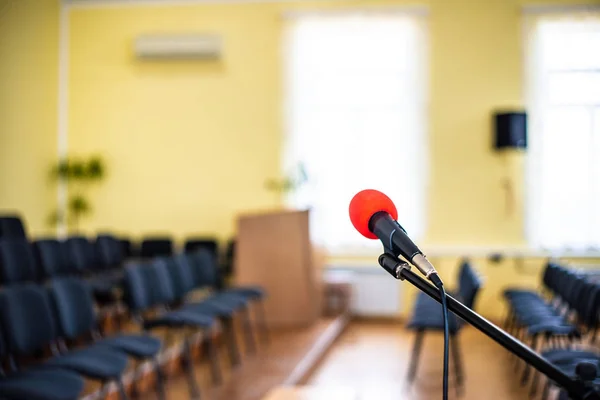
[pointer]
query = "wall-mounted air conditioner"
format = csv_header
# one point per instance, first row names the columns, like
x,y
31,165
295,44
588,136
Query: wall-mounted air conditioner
x,y
178,46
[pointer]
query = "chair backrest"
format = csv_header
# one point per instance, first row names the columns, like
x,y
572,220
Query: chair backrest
x,y
136,295
160,282
589,309
209,244
73,304
17,261
147,285
469,284
229,258
52,258
130,250
204,268
156,247
82,253
26,318
11,226
180,275
109,250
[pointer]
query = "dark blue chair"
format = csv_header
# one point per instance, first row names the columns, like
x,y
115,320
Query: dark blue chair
x,y
52,259
156,247
148,289
11,226
205,274
209,244
38,384
427,316
183,283
74,305
130,249
85,258
27,320
228,262
587,317
110,251
82,254
17,261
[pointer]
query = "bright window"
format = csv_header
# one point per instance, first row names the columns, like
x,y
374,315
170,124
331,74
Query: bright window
x,y
356,117
564,156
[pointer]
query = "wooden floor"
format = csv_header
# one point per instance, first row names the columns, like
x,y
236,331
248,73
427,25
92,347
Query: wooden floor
x,y
369,359
286,359
372,360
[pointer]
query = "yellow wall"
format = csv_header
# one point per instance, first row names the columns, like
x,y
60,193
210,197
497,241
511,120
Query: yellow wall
x,y
189,145
28,108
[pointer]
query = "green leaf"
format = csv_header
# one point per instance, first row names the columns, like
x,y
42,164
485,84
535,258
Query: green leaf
x,y
79,205
77,170
95,168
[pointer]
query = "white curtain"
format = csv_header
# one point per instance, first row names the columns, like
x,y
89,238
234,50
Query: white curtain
x,y
564,155
355,118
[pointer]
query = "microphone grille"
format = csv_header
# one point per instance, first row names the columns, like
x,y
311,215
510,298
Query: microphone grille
x,y
364,205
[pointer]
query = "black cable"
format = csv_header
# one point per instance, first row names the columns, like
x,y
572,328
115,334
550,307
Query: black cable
x,y
438,283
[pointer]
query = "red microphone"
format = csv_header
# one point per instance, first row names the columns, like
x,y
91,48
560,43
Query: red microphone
x,y
374,215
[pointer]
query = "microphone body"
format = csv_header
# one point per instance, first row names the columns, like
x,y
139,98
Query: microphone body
x,y
394,239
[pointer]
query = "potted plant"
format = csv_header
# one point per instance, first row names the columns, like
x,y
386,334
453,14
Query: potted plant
x,y
77,174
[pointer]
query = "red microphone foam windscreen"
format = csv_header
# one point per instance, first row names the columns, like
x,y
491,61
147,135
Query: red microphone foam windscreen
x,y
366,203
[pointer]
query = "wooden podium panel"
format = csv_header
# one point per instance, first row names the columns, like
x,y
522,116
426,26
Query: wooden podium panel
x,y
273,250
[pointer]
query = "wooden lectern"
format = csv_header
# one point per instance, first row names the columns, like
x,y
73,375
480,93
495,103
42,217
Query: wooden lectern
x,y
274,250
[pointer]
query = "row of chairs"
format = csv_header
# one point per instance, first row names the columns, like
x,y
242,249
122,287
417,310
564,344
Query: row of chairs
x,y
12,226
100,262
61,311
36,318
166,284
564,314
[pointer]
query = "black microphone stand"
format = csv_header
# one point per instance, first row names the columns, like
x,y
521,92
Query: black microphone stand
x,y
577,389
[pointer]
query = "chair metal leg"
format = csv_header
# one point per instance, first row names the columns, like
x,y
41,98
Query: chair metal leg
x,y
160,379
103,390
506,323
262,321
414,358
546,390
458,367
134,382
536,374
527,369
534,384
519,336
211,352
189,370
121,388
234,352
248,334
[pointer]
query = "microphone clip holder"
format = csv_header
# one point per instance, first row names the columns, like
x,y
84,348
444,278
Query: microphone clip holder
x,y
393,265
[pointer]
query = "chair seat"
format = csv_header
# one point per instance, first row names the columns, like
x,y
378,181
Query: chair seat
x,y
41,385
428,315
253,292
231,300
181,318
139,346
567,355
213,308
552,327
93,362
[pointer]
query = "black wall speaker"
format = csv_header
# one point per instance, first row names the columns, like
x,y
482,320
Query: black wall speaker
x,y
510,130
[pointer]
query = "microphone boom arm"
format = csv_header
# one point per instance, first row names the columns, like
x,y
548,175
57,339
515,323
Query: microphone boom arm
x,y
577,389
